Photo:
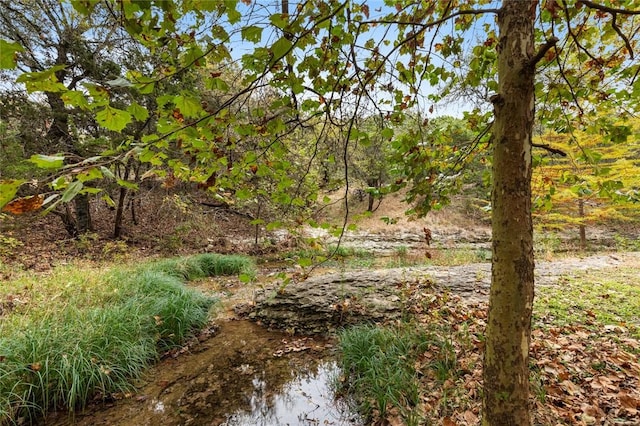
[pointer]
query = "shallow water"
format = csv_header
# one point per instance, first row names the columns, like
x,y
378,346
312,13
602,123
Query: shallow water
x,y
244,375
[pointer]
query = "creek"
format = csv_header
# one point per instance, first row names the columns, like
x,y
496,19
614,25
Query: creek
x,y
247,375
244,375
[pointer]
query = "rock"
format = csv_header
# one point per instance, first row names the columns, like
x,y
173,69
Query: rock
x,y
325,303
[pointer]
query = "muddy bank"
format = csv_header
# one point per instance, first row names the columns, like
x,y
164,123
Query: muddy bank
x,y
245,375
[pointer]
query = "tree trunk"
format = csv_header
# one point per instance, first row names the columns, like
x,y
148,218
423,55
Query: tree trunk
x,y
583,229
506,358
373,183
117,227
83,214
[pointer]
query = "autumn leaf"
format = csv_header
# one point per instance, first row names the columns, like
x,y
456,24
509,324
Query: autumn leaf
x,y
447,421
24,205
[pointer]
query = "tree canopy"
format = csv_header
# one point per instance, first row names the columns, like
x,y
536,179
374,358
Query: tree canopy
x,y
263,92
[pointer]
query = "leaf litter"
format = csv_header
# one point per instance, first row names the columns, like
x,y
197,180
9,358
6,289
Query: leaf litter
x,y
580,374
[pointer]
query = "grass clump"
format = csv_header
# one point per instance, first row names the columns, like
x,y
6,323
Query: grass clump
x,y
83,332
205,265
380,364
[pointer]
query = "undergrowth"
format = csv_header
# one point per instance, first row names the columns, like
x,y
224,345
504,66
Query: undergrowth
x,y
380,363
584,347
81,334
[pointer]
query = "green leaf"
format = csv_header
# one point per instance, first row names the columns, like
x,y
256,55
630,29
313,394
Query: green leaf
x,y
59,183
305,262
8,190
619,134
278,20
113,118
387,133
72,190
126,184
92,191
47,161
90,174
280,48
43,81
107,173
75,98
189,106
139,112
109,200
99,94
232,13
252,33
8,53
85,7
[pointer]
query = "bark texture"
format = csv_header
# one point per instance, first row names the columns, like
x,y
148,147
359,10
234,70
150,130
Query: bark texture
x,y
506,364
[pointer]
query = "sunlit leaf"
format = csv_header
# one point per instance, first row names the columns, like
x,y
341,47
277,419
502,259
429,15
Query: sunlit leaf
x,y
47,161
305,262
139,112
8,53
113,118
188,106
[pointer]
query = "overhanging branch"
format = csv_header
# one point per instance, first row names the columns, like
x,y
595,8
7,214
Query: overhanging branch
x,y
436,22
541,52
617,29
608,9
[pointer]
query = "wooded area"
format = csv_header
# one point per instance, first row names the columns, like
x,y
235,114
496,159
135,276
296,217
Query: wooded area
x,y
265,108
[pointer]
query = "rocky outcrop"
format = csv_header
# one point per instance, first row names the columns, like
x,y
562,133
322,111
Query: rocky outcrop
x,y
324,303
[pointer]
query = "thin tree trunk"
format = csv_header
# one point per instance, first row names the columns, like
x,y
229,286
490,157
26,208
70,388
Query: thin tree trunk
x,y
583,230
506,359
117,227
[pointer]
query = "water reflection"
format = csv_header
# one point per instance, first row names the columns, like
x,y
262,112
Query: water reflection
x,y
307,400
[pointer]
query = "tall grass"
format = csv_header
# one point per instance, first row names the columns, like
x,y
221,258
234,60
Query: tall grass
x,y
380,364
92,340
204,265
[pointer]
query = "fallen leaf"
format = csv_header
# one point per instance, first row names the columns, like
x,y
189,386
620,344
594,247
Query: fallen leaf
x,y
24,205
448,422
470,417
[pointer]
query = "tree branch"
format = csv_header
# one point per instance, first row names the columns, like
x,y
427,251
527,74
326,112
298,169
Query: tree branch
x,y
550,149
541,52
621,34
436,22
611,10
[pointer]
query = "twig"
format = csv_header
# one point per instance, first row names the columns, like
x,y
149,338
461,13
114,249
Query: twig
x,y
550,149
608,9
